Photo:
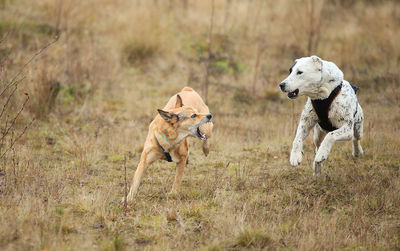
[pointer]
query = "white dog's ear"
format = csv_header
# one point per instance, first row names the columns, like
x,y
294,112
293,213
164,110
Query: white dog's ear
x,y
178,101
167,116
317,62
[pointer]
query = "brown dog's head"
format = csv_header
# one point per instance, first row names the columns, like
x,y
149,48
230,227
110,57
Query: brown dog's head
x,y
185,119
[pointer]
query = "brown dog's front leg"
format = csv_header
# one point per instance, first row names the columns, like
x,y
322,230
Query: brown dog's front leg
x,y
180,168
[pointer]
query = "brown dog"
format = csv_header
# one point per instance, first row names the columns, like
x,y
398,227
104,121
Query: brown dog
x,y
167,138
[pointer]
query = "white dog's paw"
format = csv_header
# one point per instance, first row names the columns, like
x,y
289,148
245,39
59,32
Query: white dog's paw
x,y
295,158
361,151
357,151
321,155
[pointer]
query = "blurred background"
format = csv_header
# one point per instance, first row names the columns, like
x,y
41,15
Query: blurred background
x,y
80,82
236,47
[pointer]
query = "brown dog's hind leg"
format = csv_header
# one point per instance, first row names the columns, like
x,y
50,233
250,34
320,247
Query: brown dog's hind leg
x,y
145,160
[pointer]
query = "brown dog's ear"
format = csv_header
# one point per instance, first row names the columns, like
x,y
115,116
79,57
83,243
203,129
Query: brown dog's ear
x,y
167,116
178,101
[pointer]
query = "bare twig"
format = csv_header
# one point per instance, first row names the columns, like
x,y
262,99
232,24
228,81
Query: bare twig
x,y
185,5
257,16
228,5
5,37
14,82
57,13
9,97
261,47
315,22
209,54
15,118
311,31
247,20
125,186
14,79
319,25
18,137
15,164
256,66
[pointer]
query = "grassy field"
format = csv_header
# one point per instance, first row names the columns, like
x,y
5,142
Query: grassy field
x,y
93,92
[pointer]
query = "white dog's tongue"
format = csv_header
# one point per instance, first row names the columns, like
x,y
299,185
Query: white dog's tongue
x,y
293,94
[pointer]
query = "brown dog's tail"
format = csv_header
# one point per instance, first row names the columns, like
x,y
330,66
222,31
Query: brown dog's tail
x,y
187,89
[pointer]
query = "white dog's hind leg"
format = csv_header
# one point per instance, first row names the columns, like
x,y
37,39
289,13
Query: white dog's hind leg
x,y
319,135
358,133
343,133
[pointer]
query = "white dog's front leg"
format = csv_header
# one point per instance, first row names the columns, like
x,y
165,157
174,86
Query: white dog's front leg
x,y
296,155
343,133
307,121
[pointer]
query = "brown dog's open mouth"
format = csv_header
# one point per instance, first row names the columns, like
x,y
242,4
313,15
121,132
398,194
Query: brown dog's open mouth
x,y
200,135
294,94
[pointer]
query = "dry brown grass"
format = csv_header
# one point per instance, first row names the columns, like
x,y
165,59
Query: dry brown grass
x,y
118,61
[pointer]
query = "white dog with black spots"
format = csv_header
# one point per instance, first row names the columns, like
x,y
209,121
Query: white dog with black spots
x,y
332,108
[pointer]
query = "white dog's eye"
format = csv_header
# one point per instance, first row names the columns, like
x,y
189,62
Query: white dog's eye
x,y
299,72
193,115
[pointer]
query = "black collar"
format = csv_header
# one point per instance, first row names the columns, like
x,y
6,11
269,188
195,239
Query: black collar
x,y
167,155
322,106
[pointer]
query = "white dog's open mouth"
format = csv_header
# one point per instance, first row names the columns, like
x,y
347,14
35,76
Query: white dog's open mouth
x,y
200,135
294,94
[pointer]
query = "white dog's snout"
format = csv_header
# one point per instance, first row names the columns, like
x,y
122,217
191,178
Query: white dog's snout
x,y
282,86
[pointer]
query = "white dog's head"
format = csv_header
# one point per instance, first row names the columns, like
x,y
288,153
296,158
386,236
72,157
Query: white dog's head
x,y
313,77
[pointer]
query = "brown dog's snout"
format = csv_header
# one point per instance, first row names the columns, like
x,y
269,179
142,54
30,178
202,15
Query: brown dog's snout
x,y
209,116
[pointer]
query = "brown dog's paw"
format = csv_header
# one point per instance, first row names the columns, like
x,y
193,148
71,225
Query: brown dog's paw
x,y
123,200
129,199
173,194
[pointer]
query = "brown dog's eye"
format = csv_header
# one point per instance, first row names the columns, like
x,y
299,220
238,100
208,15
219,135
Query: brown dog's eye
x,y
193,115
